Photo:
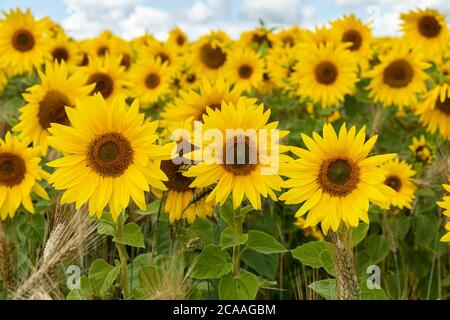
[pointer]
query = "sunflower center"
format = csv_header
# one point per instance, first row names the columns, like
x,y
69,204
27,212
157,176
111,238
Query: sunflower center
x,y
443,106
394,182
177,181
126,61
103,84
240,157
211,57
326,72
191,78
110,154
102,51
354,37
60,54
180,40
12,169
398,74
338,176
245,71
85,60
23,40
164,57
52,109
288,41
152,80
429,26
260,39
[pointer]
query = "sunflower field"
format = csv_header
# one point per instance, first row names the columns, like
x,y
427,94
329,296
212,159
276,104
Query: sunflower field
x,y
287,164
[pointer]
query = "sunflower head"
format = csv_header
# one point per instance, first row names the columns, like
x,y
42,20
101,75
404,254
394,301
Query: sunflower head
x,y
445,204
245,68
421,150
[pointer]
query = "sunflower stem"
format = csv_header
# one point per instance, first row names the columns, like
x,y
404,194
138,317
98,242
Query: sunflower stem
x,y
237,227
155,231
123,257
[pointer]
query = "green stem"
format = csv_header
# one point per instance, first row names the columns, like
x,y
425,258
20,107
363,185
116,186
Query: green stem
x,y
155,231
123,256
237,227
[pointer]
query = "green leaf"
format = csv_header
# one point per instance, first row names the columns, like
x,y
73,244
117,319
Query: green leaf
x,y
107,228
327,261
151,209
264,243
424,228
242,287
151,279
378,248
102,276
132,236
264,264
359,233
310,253
325,288
84,293
229,239
372,294
212,263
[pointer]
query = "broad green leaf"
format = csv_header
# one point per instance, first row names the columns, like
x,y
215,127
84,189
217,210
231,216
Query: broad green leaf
x,y
359,233
242,287
325,288
83,293
327,261
372,294
102,276
151,209
310,253
151,279
132,236
229,239
212,263
264,243
264,264
424,228
378,248
107,228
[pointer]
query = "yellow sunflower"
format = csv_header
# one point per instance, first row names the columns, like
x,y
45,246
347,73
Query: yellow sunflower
x,y
310,231
256,38
427,31
319,36
445,204
20,174
100,46
434,111
281,64
149,81
421,150
192,104
398,78
241,164
178,39
398,177
356,35
325,74
46,103
23,46
109,155
245,69
3,81
334,178
64,49
286,38
107,74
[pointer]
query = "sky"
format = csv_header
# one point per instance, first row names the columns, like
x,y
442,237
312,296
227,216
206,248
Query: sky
x,y
131,18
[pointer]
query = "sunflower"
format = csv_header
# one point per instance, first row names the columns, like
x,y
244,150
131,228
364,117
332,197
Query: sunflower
x,y
256,38
334,178
23,46
178,39
281,64
192,104
356,35
253,169
3,81
445,204
190,79
420,149
398,78
64,49
245,69
319,36
286,38
398,177
310,231
160,51
109,155
325,74
427,31
107,74
434,111
20,174
46,103
149,80
100,46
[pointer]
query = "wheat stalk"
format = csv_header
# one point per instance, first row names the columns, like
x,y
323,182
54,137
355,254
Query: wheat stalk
x,y
6,261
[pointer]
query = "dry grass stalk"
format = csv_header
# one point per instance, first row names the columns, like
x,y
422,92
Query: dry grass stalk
x,y
6,261
73,234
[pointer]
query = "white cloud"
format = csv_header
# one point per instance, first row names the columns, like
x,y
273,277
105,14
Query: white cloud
x,y
200,12
280,11
145,19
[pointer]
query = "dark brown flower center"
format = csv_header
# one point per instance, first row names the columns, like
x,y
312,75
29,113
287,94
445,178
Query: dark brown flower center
x,y
245,71
23,40
110,154
240,156
429,26
288,41
326,72
103,84
126,61
394,182
101,51
191,78
85,60
180,40
398,74
177,181
213,106
52,109
443,106
354,37
12,169
338,176
163,57
60,54
152,80
213,58
260,39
